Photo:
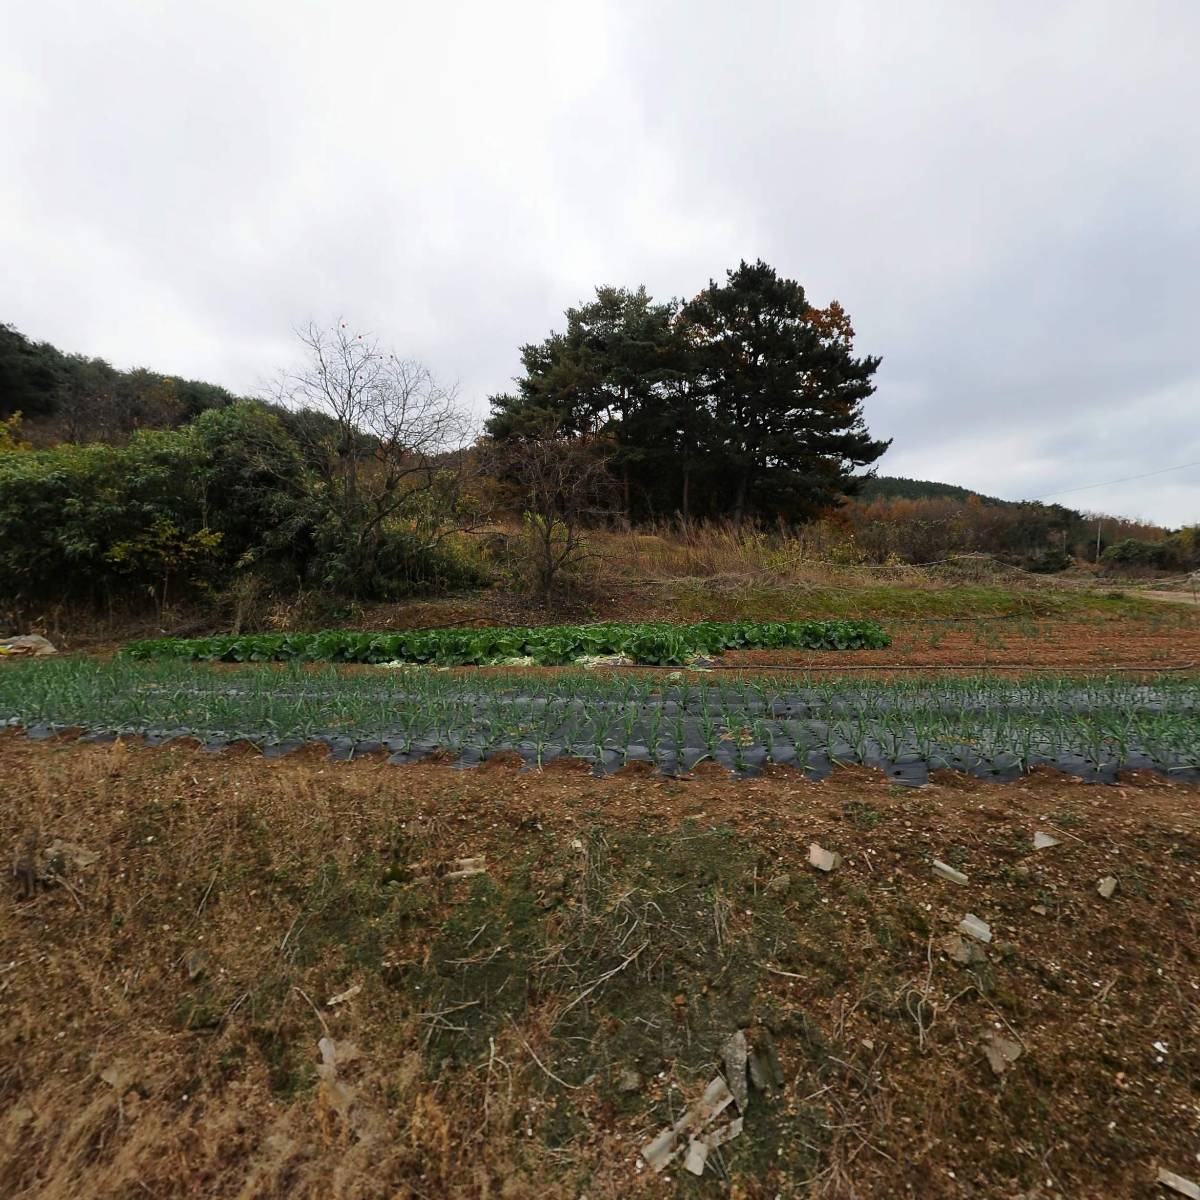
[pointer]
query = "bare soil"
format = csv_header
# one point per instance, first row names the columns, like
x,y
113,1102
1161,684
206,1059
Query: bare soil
x,y
1094,644
523,1031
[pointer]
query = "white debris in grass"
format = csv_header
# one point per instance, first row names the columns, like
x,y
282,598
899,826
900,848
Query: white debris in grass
x,y
400,665
590,661
1001,1053
697,1156
1177,1183
822,859
962,951
670,1143
976,927
946,871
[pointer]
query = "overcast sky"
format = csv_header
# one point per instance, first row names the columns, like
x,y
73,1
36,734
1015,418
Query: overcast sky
x,y
1004,195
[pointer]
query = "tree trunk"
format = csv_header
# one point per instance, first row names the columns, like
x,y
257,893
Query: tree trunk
x,y
547,567
687,495
739,506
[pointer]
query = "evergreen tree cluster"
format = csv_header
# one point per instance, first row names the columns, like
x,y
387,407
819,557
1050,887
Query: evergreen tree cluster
x,y
897,487
744,402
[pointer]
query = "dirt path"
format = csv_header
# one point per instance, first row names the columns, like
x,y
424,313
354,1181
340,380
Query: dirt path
x,y
1190,598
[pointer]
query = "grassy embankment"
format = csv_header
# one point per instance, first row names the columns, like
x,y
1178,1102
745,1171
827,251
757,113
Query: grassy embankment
x,y
524,1030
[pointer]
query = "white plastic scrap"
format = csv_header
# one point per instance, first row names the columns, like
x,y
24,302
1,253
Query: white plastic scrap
x,y
367,1124
697,1156
339,1094
401,665
699,1148
975,927
464,867
1001,1053
589,662
68,856
461,868
688,1130
726,1133
1107,886
946,871
822,859
1043,841
117,1077
1177,1183
30,644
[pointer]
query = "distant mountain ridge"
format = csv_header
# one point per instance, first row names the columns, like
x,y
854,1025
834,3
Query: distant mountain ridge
x,y
897,487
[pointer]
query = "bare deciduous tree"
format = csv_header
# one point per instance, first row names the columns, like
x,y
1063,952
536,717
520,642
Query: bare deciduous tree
x,y
384,445
563,485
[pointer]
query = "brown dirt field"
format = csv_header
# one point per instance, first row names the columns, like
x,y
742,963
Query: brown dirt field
x,y
162,1004
1094,644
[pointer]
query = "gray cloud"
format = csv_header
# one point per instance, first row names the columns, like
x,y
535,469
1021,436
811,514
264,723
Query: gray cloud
x,y
1006,197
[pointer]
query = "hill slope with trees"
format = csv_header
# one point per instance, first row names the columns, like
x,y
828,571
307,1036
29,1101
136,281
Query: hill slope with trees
x,y
362,477
896,487
73,398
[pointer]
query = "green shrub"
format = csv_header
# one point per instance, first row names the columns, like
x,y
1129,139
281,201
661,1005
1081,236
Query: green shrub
x,y
228,496
98,521
255,492
1049,561
1132,554
401,560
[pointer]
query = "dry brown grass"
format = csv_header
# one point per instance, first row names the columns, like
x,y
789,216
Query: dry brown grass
x,y
163,1085
819,554
122,1076
811,557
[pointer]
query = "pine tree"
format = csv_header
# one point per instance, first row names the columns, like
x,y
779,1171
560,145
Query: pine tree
x,y
746,402
607,374
784,393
